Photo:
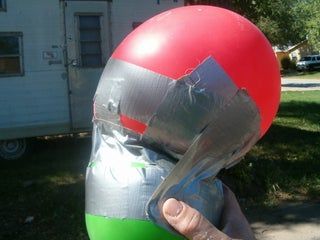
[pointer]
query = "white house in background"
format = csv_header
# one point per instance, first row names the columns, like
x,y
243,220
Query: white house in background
x,y
295,52
52,53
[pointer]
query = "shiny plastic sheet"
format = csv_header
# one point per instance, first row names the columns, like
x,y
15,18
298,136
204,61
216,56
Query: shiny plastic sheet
x,y
122,175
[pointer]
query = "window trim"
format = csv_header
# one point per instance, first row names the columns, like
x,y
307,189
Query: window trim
x,y
79,54
21,59
3,6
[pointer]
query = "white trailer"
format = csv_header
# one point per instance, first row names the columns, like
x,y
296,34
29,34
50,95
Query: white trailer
x,y
52,53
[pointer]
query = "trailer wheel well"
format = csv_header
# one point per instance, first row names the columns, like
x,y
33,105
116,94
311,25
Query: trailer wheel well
x,y
13,148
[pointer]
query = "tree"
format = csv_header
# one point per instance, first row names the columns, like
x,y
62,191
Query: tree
x,y
275,18
308,11
284,22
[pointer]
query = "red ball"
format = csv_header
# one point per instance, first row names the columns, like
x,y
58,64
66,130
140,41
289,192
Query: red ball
x,y
175,42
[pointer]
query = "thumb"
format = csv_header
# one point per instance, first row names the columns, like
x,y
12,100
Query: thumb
x,y
189,222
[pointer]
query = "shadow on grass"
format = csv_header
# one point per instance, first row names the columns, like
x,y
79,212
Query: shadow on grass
x,y
49,184
287,214
278,182
309,111
285,160
47,187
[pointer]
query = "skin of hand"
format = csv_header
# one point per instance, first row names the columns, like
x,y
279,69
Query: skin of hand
x,y
190,223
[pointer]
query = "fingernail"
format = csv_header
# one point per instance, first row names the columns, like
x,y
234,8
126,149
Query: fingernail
x,y
172,207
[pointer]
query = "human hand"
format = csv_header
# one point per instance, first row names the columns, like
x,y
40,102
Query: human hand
x,y
190,223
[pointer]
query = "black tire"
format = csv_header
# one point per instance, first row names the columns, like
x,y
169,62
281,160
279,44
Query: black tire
x,y
13,149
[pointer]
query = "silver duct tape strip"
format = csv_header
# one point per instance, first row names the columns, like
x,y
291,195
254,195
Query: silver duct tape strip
x,y
188,106
123,87
209,76
233,130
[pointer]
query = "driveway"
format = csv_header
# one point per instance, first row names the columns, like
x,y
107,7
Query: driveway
x,y
296,84
289,221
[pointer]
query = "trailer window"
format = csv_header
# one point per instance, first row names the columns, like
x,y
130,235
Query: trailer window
x,y
90,41
10,54
2,5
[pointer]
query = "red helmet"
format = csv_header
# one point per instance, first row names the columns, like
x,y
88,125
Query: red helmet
x,y
177,41
200,83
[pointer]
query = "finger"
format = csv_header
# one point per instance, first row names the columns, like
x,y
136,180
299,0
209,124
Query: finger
x,y
189,222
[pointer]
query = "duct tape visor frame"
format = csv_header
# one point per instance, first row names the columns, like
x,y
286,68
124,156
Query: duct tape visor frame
x,y
224,123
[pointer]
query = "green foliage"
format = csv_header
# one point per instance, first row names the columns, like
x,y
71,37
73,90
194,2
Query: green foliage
x,y
284,22
270,28
274,18
307,12
287,64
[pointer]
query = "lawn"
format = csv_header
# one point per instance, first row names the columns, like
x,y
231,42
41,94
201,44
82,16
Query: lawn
x,y
303,75
285,164
48,189
42,195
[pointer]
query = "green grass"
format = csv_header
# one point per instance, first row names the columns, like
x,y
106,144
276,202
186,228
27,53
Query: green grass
x,y
285,164
303,75
49,186
49,183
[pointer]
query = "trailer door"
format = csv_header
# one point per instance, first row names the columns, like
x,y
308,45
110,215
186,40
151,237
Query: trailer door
x,y
87,35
